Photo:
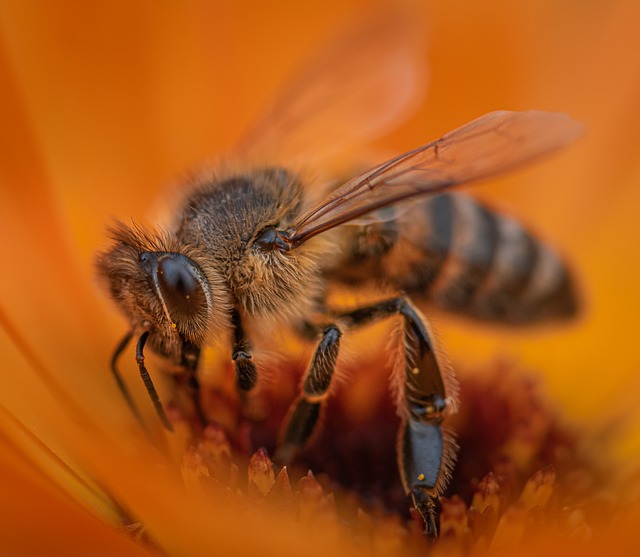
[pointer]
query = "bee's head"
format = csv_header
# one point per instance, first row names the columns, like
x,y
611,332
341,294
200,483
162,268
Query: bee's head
x,y
164,288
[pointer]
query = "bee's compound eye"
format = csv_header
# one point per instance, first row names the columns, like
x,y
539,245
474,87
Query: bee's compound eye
x,y
181,289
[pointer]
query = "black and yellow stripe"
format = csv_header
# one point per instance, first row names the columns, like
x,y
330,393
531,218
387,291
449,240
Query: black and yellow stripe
x,y
463,257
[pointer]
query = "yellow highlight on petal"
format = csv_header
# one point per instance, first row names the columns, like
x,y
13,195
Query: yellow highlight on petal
x,y
421,477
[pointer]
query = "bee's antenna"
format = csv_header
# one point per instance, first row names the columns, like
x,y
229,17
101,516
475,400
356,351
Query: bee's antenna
x,y
148,383
120,348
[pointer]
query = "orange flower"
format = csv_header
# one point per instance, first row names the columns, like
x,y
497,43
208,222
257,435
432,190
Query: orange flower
x,y
103,104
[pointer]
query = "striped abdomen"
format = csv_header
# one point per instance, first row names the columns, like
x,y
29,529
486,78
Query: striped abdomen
x,y
464,258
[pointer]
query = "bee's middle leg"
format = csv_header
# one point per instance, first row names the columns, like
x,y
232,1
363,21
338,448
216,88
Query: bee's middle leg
x,y
305,411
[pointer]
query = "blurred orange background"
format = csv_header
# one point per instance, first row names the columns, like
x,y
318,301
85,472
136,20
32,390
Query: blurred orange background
x,y
104,104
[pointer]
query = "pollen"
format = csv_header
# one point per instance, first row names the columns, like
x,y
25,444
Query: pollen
x,y
421,477
173,325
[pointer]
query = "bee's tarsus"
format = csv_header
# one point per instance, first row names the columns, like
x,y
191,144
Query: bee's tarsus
x,y
246,372
429,509
299,426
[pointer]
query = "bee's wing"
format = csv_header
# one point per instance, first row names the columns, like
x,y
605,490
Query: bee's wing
x,y
489,145
363,84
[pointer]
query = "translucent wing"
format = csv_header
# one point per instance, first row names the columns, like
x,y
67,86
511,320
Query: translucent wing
x,y
489,145
365,82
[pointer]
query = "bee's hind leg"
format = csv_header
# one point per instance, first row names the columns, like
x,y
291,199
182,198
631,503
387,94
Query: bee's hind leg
x,y
425,453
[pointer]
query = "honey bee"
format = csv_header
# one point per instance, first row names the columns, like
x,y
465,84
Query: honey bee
x,y
261,247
